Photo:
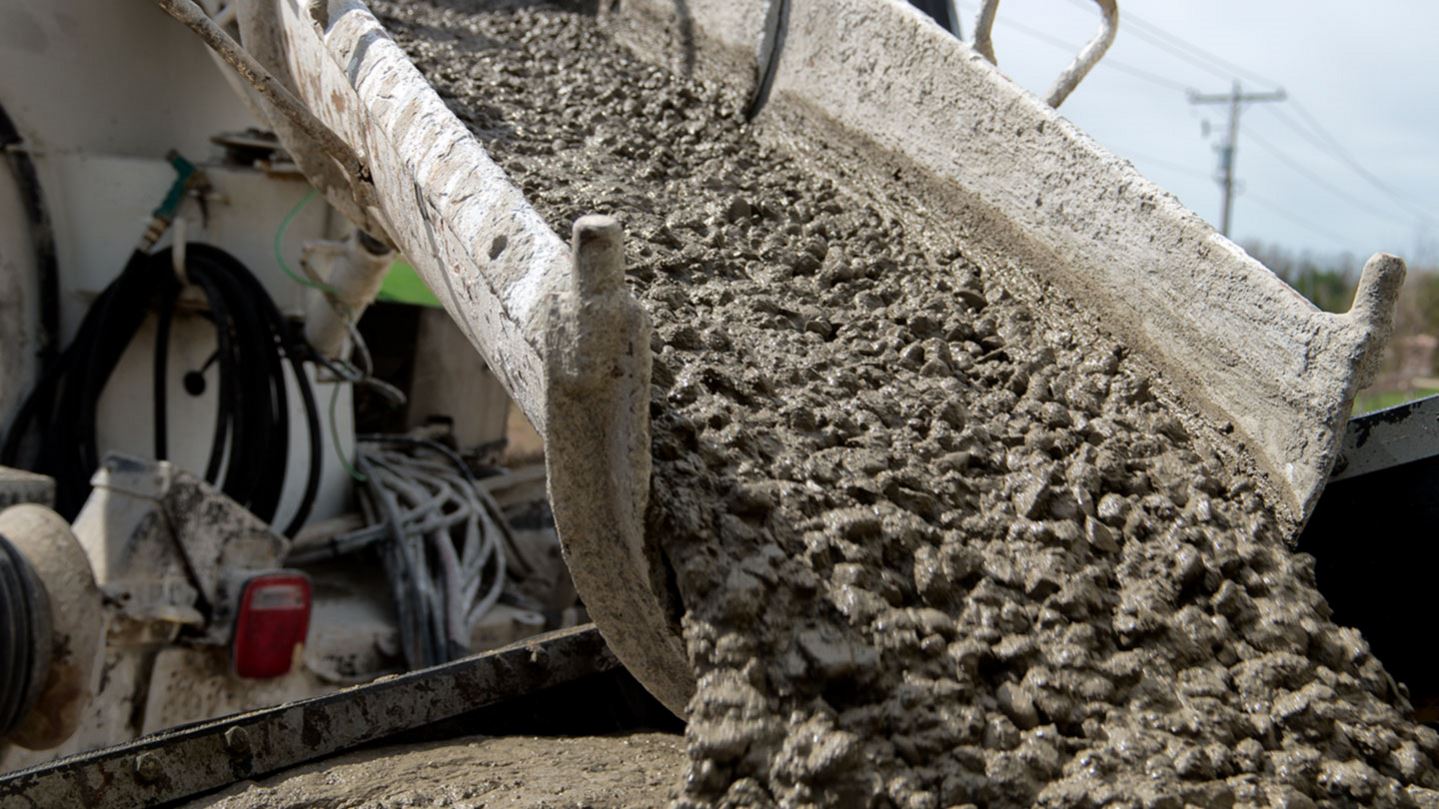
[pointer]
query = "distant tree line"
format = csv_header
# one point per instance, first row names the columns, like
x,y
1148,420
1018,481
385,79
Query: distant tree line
x,y
1329,281
1326,280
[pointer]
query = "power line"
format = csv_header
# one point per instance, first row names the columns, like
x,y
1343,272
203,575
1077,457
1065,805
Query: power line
x,y
1301,130
1190,171
1139,73
1283,213
1327,143
1316,132
1302,170
1186,50
1166,164
1311,130
1273,207
1264,203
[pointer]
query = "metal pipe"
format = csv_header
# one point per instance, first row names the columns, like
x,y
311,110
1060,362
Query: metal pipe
x,y
195,18
352,273
1089,57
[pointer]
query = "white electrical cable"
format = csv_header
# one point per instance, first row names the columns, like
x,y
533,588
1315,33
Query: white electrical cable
x,y
454,543
178,240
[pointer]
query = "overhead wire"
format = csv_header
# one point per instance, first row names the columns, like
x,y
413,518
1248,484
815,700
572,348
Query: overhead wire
x,y
1284,213
1311,130
1188,51
1303,171
1321,138
1167,164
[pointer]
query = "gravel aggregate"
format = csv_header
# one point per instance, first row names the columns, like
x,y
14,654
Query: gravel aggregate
x,y
506,772
936,547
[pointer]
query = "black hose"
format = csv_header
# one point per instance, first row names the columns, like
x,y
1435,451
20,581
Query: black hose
x,y
250,445
253,341
161,362
412,614
941,11
42,237
312,427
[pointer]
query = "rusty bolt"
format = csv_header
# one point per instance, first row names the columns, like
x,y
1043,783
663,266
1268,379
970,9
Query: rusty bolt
x,y
237,741
148,768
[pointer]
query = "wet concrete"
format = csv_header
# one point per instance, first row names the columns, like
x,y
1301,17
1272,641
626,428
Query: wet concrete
x,y
938,545
515,772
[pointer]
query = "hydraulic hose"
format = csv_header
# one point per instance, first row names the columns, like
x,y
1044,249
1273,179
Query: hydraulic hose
x,y
250,444
42,235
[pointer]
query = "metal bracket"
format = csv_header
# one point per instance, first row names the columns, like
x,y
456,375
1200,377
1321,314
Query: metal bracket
x,y
776,17
1078,69
597,455
175,765
354,169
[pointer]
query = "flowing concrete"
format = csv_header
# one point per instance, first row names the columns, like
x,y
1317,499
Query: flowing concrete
x,y
939,537
1236,340
1230,333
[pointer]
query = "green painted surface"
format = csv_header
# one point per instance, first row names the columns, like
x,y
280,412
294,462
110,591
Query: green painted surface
x,y
1368,402
403,285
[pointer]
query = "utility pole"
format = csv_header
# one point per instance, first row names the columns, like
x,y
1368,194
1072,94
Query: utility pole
x,y
1236,98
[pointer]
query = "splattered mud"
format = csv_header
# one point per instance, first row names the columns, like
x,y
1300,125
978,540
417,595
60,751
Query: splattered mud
x,y
606,772
935,547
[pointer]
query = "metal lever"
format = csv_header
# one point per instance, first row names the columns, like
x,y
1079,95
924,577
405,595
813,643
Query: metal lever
x,y
356,172
1082,64
776,15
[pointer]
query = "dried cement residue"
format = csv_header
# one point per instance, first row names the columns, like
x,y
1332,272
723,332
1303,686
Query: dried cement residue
x,y
935,548
604,772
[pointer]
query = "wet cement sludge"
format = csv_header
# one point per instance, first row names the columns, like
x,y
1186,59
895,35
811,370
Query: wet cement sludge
x,y
935,548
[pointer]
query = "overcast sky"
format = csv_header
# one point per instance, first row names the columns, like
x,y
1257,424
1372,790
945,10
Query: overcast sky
x,y
1368,73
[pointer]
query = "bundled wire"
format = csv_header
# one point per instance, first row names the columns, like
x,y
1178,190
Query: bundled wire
x,y
55,429
447,548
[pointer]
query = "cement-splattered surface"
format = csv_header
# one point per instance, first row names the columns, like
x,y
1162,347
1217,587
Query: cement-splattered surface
x,y
936,548
515,772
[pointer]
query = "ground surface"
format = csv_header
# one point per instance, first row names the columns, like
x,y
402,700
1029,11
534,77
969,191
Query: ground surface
x,y
936,546
607,772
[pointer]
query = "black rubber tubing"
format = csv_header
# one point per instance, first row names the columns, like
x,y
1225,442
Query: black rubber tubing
x,y
250,446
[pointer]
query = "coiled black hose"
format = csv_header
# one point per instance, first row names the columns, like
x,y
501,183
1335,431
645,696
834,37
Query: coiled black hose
x,y
42,235
250,445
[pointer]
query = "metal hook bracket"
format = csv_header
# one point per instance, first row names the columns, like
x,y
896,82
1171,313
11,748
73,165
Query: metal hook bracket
x,y
1082,64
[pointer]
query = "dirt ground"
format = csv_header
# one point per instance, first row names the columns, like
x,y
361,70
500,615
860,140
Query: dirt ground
x,y
516,772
